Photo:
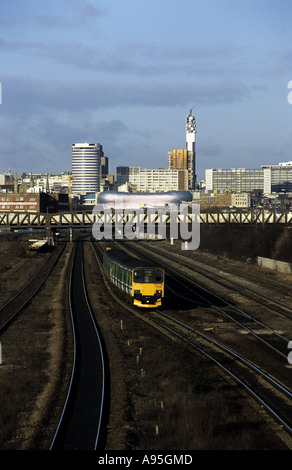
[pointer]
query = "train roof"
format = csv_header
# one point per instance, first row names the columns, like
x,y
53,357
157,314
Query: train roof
x,y
124,259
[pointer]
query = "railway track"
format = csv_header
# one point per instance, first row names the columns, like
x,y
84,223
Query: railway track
x,y
272,393
250,323
14,306
80,424
227,281
258,383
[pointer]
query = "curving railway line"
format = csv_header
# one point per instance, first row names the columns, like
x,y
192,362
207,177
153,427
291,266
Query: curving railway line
x,y
248,319
256,364
243,343
228,281
80,424
81,417
14,306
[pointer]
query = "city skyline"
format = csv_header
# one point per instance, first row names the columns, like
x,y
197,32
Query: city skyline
x,y
125,74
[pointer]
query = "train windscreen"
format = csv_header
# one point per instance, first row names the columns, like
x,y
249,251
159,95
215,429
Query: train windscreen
x,y
148,275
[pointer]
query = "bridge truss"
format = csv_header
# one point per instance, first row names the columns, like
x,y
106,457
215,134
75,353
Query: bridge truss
x,y
85,219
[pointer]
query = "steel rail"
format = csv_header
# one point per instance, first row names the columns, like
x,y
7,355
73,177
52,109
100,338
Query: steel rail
x,y
263,402
190,264
102,358
38,287
27,284
65,410
162,327
242,325
73,362
240,358
230,306
276,383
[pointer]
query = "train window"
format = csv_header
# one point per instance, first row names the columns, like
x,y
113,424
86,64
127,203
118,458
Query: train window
x,y
138,276
158,275
148,275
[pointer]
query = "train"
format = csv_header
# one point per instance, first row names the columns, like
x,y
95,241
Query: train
x,y
139,282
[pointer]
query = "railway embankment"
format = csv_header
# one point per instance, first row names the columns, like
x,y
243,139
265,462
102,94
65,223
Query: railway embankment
x,y
247,242
161,396
34,348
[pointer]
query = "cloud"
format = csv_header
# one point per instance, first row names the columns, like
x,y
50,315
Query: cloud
x,y
149,60
79,13
134,59
87,10
27,96
20,46
44,141
45,117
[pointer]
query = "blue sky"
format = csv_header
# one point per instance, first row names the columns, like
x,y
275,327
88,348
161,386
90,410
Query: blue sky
x,y
126,73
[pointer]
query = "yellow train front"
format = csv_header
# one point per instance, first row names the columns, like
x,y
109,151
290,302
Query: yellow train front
x,y
139,282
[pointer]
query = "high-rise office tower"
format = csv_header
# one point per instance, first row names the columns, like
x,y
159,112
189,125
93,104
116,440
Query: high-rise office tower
x,y
191,147
178,159
103,166
181,159
86,159
186,158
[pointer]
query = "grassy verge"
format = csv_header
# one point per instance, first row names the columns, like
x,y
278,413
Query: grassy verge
x,y
164,397
32,350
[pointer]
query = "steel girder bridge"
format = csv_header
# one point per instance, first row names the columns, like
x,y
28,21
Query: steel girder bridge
x,y
86,219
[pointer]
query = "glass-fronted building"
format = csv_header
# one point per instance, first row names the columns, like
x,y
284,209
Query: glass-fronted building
x,y
278,178
86,160
268,179
144,180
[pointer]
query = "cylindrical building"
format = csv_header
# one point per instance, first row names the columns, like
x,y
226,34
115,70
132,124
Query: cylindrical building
x,y
86,167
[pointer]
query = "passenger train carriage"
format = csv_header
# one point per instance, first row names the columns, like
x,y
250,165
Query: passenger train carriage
x,y
140,282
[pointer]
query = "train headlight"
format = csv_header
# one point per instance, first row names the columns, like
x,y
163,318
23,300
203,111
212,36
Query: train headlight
x,y
158,295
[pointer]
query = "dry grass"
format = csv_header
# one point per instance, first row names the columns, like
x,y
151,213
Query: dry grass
x,y
164,397
193,407
21,373
17,264
32,357
180,402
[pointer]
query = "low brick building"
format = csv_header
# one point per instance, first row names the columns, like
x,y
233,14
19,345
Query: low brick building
x,y
215,199
34,202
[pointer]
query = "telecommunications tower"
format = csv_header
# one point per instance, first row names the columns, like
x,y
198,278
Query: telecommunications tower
x,y
191,146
